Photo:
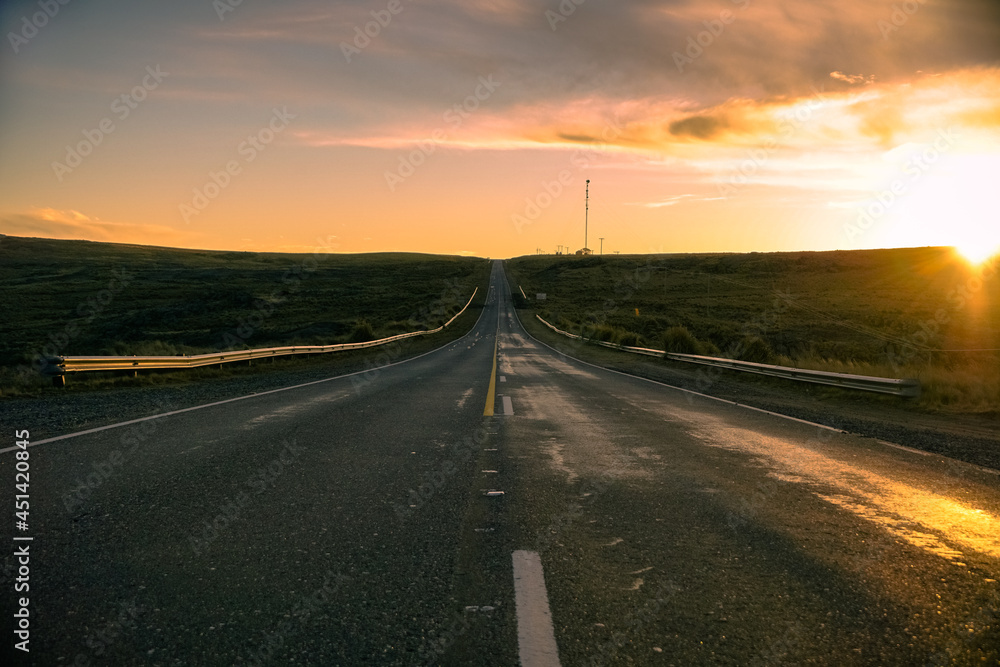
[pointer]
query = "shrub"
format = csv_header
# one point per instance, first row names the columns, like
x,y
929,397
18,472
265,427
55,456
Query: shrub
x,y
601,332
755,349
680,341
363,332
709,349
629,338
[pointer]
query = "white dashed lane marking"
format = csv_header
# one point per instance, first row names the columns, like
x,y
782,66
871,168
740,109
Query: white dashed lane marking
x,y
536,640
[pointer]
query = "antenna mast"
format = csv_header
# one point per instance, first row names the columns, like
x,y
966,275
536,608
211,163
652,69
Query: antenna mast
x,y
586,214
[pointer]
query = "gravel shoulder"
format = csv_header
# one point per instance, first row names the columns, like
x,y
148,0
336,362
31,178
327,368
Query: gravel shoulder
x,y
971,438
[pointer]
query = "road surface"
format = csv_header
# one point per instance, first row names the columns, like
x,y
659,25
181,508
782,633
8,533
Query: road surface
x,y
494,502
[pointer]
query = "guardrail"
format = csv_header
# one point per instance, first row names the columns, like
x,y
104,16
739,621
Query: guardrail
x,y
58,367
907,388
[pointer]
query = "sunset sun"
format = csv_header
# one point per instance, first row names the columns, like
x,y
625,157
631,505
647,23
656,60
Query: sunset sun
x,y
949,204
978,250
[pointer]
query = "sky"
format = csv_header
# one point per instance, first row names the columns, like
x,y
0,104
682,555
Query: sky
x,y
473,126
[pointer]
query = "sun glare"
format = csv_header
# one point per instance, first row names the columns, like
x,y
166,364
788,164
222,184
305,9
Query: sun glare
x,y
977,252
949,203
974,228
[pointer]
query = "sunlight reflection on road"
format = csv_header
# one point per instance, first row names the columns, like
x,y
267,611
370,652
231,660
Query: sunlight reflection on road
x,y
931,521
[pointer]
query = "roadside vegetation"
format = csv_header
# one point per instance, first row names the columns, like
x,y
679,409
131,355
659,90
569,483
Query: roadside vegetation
x,y
85,298
887,313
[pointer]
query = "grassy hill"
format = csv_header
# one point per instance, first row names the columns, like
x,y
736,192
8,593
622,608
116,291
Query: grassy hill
x,y
893,313
79,297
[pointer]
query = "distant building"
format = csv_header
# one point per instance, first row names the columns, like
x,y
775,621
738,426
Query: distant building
x,y
584,251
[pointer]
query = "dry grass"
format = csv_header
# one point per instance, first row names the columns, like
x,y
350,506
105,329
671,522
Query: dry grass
x,y
966,386
64,298
867,312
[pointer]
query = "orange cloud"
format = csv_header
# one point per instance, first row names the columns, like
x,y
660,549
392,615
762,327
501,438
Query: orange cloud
x,y
879,115
853,79
58,224
875,115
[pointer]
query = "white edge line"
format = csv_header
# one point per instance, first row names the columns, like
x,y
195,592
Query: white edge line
x,y
904,448
990,471
240,398
980,468
670,386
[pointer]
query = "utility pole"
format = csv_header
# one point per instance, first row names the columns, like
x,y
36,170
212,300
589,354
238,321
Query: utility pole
x,y
586,214
602,244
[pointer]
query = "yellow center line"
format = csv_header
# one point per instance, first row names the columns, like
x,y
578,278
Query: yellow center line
x,y
491,394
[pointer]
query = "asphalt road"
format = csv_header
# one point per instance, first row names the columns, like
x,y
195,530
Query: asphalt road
x,y
358,520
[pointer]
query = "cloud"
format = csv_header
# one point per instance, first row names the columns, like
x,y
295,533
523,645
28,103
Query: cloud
x,y
853,79
70,224
427,56
875,115
671,201
431,53
699,127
